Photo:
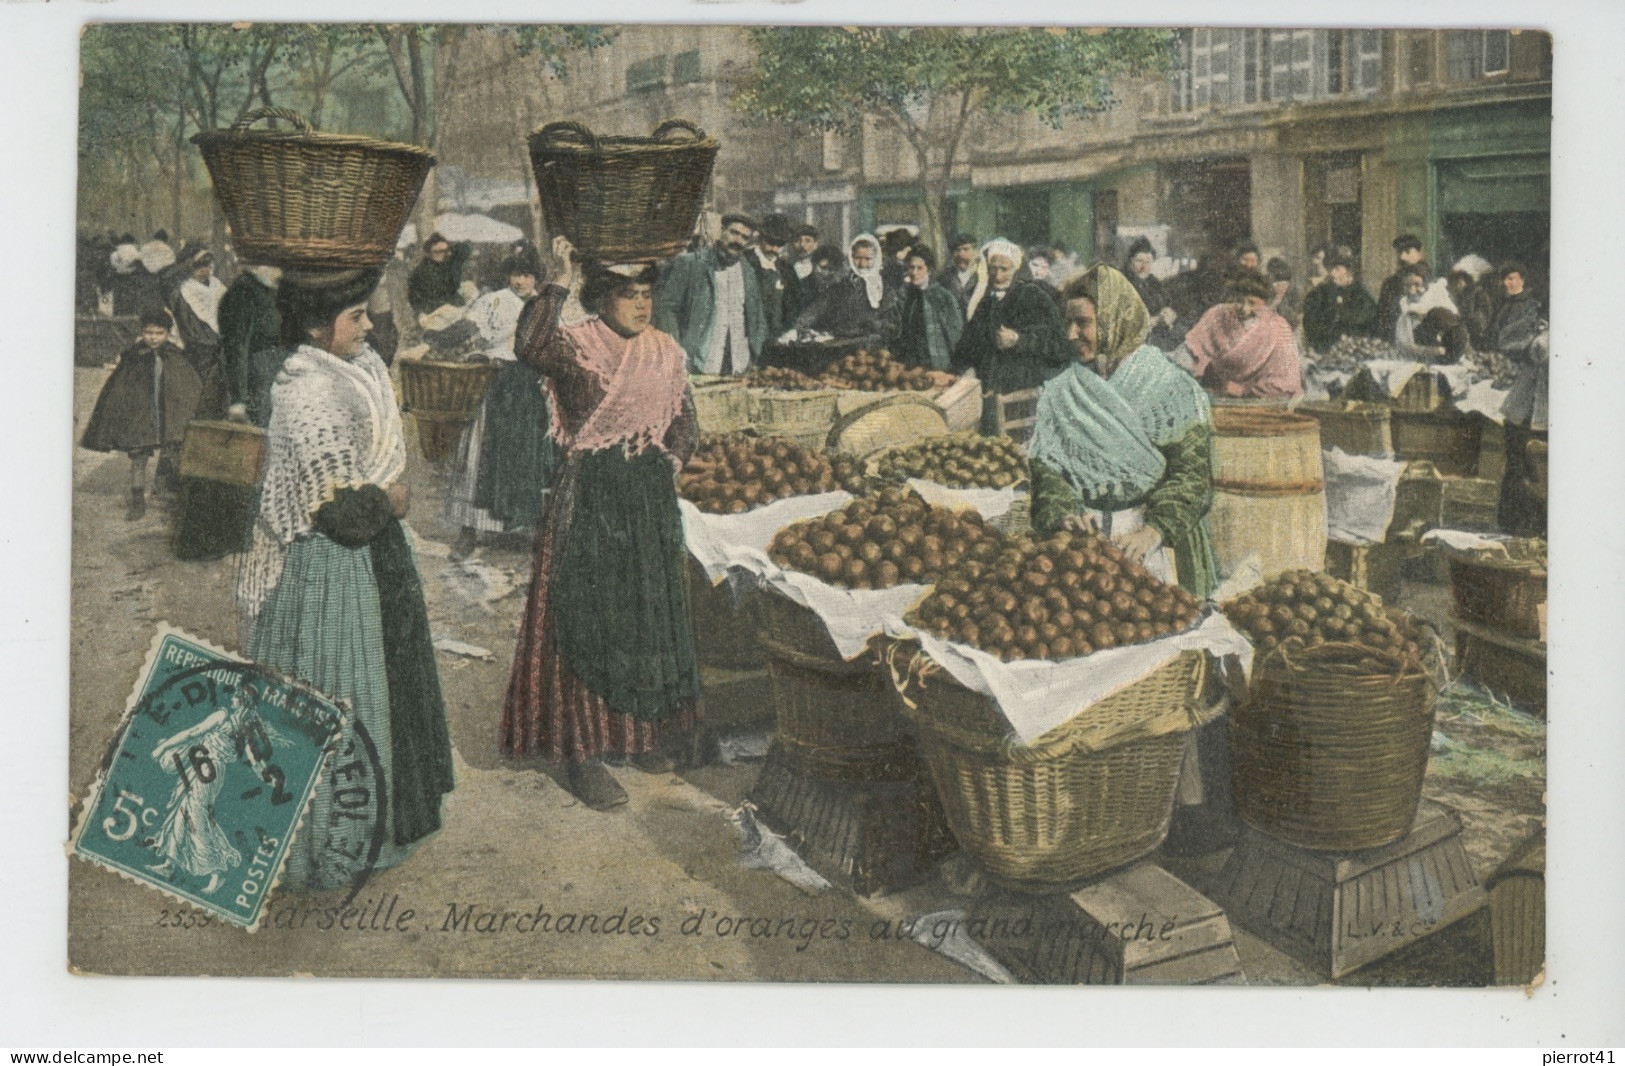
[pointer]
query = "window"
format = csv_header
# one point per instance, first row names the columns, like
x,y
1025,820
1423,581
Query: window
x,y
1419,68
1254,86
1180,81
1292,60
1365,61
833,157
685,67
646,75
1303,62
1497,51
1334,63
1474,54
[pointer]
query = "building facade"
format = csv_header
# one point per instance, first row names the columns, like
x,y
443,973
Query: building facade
x,y
1289,138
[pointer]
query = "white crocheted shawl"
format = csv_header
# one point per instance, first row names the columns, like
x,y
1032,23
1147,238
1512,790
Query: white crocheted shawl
x,y
334,424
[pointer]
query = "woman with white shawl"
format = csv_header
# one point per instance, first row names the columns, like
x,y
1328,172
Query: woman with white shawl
x,y
330,590
1013,336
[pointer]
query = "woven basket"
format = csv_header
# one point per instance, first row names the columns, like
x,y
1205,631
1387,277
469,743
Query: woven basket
x,y
779,413
623,199
896,421
1502,594
308,199
724,634
230,453
1450,440
720,406
442,397
835,719
1357,428
1328,759
1091,795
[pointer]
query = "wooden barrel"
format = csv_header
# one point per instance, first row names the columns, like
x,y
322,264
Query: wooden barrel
x,y
1269,495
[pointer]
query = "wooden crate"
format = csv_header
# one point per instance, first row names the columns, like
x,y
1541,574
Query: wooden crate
x,y
230,453
1175,935
1373,567
1337,913
1507,666
868,837
1016,414
1518,913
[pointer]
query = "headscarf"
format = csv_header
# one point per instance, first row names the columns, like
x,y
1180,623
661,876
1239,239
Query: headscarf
x,y
873,283
156,255
124,258
996,246
1121,320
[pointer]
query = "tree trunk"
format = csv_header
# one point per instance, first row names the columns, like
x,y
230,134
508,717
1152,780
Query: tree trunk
x,y
180,178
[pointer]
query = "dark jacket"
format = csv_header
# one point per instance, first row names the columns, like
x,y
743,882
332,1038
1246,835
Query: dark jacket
x,y
1331,312
948,278
770,288
1040,352
434,284
842,309
686,306
929,323
249,324
128,417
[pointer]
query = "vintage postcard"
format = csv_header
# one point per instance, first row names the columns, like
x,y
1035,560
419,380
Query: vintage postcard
x,y
939,504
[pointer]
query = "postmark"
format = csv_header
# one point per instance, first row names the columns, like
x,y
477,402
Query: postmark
x,y
209,777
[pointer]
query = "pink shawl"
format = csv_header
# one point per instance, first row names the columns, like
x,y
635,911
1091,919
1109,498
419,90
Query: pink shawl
x,y
1253,357
643,379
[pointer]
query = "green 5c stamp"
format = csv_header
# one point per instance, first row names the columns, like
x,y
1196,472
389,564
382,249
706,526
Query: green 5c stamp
x,y
208,778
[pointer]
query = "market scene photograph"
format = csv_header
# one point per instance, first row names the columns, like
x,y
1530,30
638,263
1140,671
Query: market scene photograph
x,y
811,504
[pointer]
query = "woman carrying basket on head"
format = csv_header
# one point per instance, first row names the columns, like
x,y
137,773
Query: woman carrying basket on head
x,y
330,590
605,663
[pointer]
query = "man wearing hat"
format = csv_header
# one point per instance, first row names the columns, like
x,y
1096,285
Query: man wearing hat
x,y
712,304
960,276
1241,348
796,269
1408,256
765,259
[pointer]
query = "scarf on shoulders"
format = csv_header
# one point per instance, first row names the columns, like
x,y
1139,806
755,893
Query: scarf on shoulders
x,y
643,379
335,424
1104,435
1228,348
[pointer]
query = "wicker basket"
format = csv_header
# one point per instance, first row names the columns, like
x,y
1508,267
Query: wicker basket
x,y
720,406
780,413
1328,759
442,397
308,199
724,632
896,421
1357,428
1449,439
230,453
623,199
835,719
1091,795
1502,594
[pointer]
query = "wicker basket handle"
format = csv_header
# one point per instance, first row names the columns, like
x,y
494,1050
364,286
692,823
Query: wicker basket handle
x,y
300,121
557,132
677,124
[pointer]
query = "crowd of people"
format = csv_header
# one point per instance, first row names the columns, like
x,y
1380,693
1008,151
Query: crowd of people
x,y
589,412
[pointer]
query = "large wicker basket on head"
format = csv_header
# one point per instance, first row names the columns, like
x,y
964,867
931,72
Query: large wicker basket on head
x,y
443,398
1331,757
1093,794
306,199
623,199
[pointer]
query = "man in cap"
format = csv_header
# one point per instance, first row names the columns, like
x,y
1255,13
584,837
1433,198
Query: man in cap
x,y
711,303
796,270
959,275
766,260
1408,253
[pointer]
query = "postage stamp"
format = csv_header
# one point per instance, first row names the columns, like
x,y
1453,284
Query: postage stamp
x,y
208,779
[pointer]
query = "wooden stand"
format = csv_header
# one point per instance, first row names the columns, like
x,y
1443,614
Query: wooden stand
x,y
1139,926
868,836
1339,912
1506,665
1373,567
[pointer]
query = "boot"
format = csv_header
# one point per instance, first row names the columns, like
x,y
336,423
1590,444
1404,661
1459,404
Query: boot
x,y
594,785
465,544
137,507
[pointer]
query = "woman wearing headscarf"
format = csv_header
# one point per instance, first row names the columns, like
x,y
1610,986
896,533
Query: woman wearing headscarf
x,y
858,304
929,318
1013,335
329,589
1124,439
605,663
